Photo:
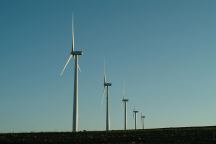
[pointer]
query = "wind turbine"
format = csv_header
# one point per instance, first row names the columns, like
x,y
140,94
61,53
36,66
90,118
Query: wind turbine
x,y
134,115
142,120
125,100
106,89
75,55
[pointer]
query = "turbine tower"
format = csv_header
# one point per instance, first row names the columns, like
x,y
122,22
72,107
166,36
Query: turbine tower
x,y
75,55
135,114
106,89
142,120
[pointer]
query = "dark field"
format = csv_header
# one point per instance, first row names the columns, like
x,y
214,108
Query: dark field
x,y
187,135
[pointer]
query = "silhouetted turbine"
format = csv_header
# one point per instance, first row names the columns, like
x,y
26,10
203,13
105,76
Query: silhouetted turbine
x,y
124,100
106,89
142,120
135,114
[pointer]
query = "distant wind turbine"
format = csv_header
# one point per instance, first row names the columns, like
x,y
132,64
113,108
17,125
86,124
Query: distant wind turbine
x,y
125,100
106,89
134,115
142,120
75,55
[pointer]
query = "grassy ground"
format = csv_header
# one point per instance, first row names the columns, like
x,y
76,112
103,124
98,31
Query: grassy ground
x,y
188,135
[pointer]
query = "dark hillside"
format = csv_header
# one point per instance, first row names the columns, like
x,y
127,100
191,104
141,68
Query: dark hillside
x,y
188,135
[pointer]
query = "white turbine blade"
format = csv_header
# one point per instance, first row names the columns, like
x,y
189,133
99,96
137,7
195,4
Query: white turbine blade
x,y
72,34
134,112
83,51
123,95
66,65
79,68
103,95
141,121
104,71
72,41
104,79
123,90
122,103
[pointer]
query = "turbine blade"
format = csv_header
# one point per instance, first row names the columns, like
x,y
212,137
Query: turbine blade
x,y
72,41
104,79
66,65
104,70
83,51
103,95
72,34
123,90
134,112
122,103
79,68
141,121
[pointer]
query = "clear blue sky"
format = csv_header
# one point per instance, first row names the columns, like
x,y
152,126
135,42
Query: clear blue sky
x,y
164,50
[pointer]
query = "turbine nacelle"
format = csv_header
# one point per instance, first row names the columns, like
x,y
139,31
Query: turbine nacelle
x,y
76,53
107,84
125,100
135,111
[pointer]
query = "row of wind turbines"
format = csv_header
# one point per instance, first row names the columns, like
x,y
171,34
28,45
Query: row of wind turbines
x,y
124,101
75,54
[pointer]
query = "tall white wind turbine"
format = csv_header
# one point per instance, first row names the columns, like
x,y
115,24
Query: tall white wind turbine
x,y
75,55
106,89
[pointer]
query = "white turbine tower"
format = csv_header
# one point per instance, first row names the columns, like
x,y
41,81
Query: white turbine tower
x,y
142,120
125,100
106,89
75,55
135,117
